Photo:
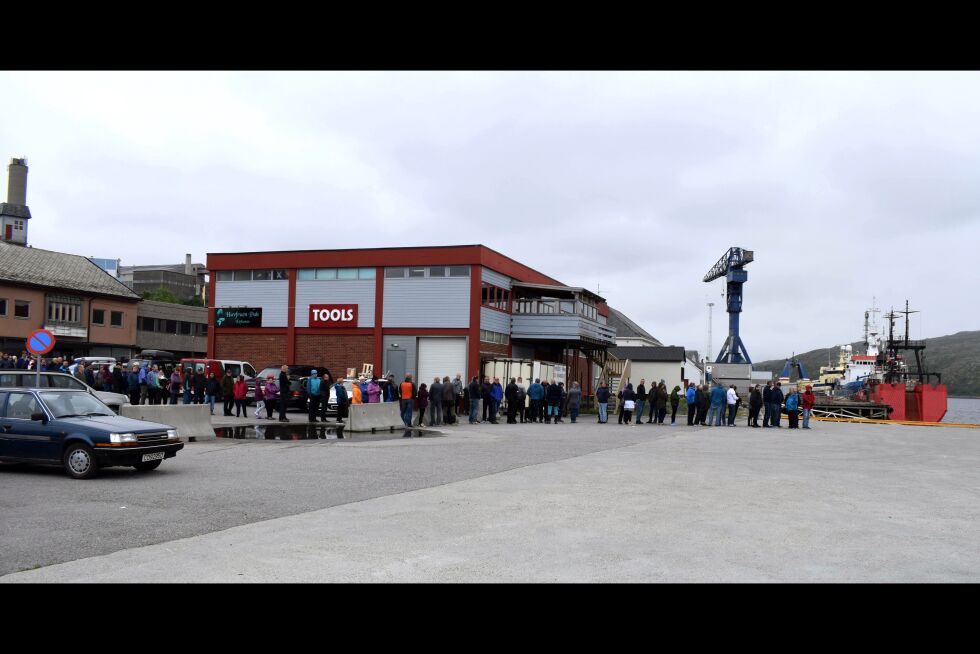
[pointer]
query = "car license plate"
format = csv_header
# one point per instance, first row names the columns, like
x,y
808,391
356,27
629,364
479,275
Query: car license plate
x,y
153,457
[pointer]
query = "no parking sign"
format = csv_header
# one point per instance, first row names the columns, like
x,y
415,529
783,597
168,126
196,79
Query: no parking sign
x,y
41,341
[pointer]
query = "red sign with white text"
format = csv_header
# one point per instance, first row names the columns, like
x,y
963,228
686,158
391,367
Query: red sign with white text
x,y
333,315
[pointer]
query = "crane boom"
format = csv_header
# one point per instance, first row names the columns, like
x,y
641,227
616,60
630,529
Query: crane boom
x,y
734,258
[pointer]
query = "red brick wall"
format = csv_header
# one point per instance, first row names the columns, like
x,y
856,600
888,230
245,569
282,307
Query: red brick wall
x,y
337,353
260,351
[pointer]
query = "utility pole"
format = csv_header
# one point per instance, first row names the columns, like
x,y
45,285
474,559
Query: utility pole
x,y
707,354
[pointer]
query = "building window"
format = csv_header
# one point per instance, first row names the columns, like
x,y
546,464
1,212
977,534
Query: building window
x,y
416,272
394,273
326,273
276,275
242,275
459,271
98,316
495,297
204,330
437,271
225,276
306,274
261,275
185,328
22,309
3,308
494,337
171,327
116,318
366,273
347,273
64,309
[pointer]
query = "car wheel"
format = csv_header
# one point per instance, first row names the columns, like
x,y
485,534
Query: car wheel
x,y
80,462
146,466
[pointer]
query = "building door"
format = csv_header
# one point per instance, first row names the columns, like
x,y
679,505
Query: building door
x,y
396,364
442,357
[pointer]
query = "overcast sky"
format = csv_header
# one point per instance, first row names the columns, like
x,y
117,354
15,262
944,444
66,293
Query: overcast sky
x,y
847,186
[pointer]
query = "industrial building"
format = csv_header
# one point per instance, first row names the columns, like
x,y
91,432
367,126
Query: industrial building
x,y
422,310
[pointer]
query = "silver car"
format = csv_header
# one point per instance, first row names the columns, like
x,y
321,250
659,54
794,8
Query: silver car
x,y
28,379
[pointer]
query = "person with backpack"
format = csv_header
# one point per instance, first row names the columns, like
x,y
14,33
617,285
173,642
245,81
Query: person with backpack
x,y
313,395
793,409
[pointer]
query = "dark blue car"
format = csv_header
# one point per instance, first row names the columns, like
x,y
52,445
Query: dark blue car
x,y
74,429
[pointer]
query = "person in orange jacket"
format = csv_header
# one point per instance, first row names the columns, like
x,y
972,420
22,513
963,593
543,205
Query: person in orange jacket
x,y
355,390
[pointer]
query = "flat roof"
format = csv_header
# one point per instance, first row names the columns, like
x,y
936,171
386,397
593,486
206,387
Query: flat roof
x,y
473,254
558,288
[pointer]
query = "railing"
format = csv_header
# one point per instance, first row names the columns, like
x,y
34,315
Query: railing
x,y
560,327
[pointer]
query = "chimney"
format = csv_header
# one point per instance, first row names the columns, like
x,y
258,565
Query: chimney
x,y
188,267
17,182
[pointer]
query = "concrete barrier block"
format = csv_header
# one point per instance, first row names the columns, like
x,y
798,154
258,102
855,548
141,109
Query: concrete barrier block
x,y
192,421
380,415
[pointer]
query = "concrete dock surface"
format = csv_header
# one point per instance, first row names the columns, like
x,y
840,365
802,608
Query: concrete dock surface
x,y
518,503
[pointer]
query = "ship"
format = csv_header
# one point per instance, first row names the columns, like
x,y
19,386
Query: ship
x,y
884,381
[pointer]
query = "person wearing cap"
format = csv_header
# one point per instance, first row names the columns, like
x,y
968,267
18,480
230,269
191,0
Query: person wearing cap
x,y
313,395
341,399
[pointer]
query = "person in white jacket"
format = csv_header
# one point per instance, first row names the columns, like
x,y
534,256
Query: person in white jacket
x,y
732,405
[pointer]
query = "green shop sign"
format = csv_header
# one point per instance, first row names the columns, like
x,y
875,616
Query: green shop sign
x,y
238,317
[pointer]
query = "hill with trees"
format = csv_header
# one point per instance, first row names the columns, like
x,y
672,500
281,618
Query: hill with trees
x,y
956,357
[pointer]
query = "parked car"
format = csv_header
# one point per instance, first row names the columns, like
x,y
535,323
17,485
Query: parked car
x,y
297,389
74,429
96,362
218,367
28,379
167,361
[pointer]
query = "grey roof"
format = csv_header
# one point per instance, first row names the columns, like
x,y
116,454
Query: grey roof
x,y
15,210
626,328
558,290
70,272
666,353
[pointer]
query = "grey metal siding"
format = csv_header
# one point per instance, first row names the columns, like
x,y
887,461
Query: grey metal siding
x,y
359,292
406,343
427,302
559,326
495,278
273,297
522,351
495,321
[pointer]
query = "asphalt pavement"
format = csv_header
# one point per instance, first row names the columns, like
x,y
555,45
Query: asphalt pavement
x,y
491,503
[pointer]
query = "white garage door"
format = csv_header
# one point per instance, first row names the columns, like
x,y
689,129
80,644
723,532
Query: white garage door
x,y
442,357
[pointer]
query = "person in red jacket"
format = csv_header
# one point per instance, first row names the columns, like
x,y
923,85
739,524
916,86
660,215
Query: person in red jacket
x,y
809,399
239,392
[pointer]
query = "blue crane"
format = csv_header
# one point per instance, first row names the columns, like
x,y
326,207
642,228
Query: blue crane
x,y
730,266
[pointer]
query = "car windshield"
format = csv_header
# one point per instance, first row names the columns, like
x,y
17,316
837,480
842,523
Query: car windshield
x,y
63,405
271,370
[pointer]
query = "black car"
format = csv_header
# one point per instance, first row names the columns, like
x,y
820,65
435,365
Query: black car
x,y
297,385
74,429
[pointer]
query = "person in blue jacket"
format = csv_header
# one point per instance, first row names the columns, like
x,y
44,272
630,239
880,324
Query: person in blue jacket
x,y
496,395
536,392
133,386
692,405
718,400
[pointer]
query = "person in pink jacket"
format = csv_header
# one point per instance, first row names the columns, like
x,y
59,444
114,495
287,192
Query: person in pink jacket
x,y
374,391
